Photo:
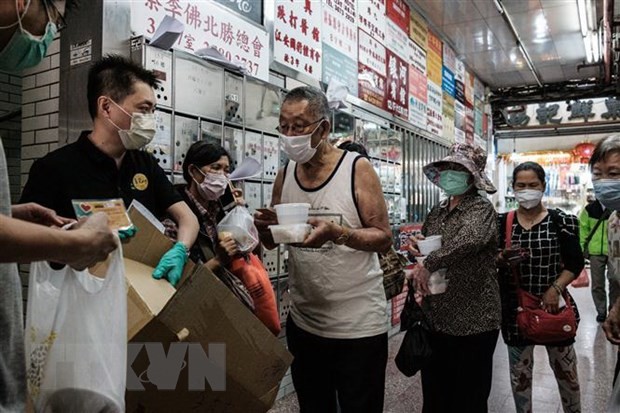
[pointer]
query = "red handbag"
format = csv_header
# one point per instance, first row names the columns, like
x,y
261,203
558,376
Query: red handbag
x,y
533,321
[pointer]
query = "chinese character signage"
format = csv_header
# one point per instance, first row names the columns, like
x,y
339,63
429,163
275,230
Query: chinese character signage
x,y
469,88
397,95
297,36
251,9
417,97
207,25
398,12
448,117
568,112
433,59
478,89
434,111
459,91
371,18
447,81
449,58
459,71
478,108
341,67
372,65
417,57
469,123
339,29
397,40
459,122
418,29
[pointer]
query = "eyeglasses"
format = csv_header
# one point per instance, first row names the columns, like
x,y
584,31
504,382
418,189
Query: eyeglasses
x,y
297,129
61,23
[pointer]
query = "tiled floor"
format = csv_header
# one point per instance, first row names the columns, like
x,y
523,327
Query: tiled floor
x,y
596,363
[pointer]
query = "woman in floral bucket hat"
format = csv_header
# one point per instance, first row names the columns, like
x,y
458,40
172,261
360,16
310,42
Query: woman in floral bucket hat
x,y
465,315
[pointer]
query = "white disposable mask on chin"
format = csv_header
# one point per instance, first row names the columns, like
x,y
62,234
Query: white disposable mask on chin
x,y
141,131
299,148
528,198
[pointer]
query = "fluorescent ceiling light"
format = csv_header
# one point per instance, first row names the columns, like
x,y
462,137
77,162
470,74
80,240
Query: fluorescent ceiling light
x,y
498,6
588,46
594,40
583,21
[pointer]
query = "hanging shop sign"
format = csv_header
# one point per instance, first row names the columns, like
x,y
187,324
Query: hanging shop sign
x,y
297,36
339,66
434,111
469,124
339,34
459,71
563,113
339,29
417,97
396,39
449,58
478,108
448,117
398,12
397,95
459,122
469,88
447,81
207,26
372,65
418,29
459,91
252,10
417,57
371,18
433,59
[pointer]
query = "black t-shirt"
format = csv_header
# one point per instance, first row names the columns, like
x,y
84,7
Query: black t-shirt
x,y
81,171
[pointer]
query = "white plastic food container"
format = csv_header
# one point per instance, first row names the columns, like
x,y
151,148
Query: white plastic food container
x,y
289,214
290,234
430,244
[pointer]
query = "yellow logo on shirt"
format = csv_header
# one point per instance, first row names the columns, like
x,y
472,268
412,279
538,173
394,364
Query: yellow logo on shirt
x,y
140,182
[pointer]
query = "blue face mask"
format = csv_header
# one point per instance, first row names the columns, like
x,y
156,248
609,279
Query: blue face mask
x,y
607,191
454,182
25,50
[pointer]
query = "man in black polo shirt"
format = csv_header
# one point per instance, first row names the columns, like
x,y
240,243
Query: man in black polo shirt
x,y
106,162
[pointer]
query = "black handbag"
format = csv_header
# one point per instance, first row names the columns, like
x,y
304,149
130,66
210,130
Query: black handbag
x,y
415,351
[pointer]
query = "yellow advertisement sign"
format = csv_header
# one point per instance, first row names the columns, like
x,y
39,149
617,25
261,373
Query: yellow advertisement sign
x,y
418,30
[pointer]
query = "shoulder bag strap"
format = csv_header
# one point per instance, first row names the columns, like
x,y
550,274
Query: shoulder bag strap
x,y
593,230
510,217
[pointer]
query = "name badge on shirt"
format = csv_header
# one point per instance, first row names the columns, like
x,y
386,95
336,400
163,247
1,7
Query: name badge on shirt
x,y
140,182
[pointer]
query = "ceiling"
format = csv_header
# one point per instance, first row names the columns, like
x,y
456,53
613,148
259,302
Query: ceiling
x,y
549,31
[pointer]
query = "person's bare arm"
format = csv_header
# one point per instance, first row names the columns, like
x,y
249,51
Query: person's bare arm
x,y
262,220
375,234
24,242
186,221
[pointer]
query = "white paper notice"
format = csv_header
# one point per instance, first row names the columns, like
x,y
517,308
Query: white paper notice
x,y
247,169
168,32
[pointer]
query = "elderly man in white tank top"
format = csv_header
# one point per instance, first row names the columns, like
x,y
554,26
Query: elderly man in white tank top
x,y
337,328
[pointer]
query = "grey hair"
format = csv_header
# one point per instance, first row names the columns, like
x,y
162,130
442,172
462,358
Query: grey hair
x,y
317,101
605,147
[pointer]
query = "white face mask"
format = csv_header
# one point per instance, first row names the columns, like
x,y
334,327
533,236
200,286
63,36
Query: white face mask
x,y
528,198
299,148
140,133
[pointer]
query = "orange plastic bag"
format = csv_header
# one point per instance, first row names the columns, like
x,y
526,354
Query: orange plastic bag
x,y
255,278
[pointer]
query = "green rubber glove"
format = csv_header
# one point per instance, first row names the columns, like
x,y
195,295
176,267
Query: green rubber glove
x,y
124,234
171,264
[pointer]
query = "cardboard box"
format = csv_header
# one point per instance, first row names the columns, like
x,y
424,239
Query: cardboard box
x,y
200,311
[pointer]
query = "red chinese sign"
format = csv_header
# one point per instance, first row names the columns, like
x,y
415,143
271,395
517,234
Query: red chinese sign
x,y
297,36
398,12
371,73
397,95
207,26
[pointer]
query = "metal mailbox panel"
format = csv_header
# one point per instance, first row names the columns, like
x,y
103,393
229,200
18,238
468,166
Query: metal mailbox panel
x,y
185,133
161,145
198,88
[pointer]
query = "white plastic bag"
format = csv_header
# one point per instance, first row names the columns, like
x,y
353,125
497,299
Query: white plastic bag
x,y
240,224
76,338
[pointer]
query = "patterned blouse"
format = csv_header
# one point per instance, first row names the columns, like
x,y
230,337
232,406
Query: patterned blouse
x,y
471,303
553,244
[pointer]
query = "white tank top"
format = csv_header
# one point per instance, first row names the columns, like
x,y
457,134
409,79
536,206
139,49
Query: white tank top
x,y
336,291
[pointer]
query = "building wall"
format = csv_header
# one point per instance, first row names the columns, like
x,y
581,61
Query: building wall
x,y
10,130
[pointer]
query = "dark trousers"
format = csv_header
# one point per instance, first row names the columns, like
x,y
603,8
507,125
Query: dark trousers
x,y
326,369
458,377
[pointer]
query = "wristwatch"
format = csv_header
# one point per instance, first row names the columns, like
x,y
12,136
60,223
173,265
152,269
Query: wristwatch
x,y
344,236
